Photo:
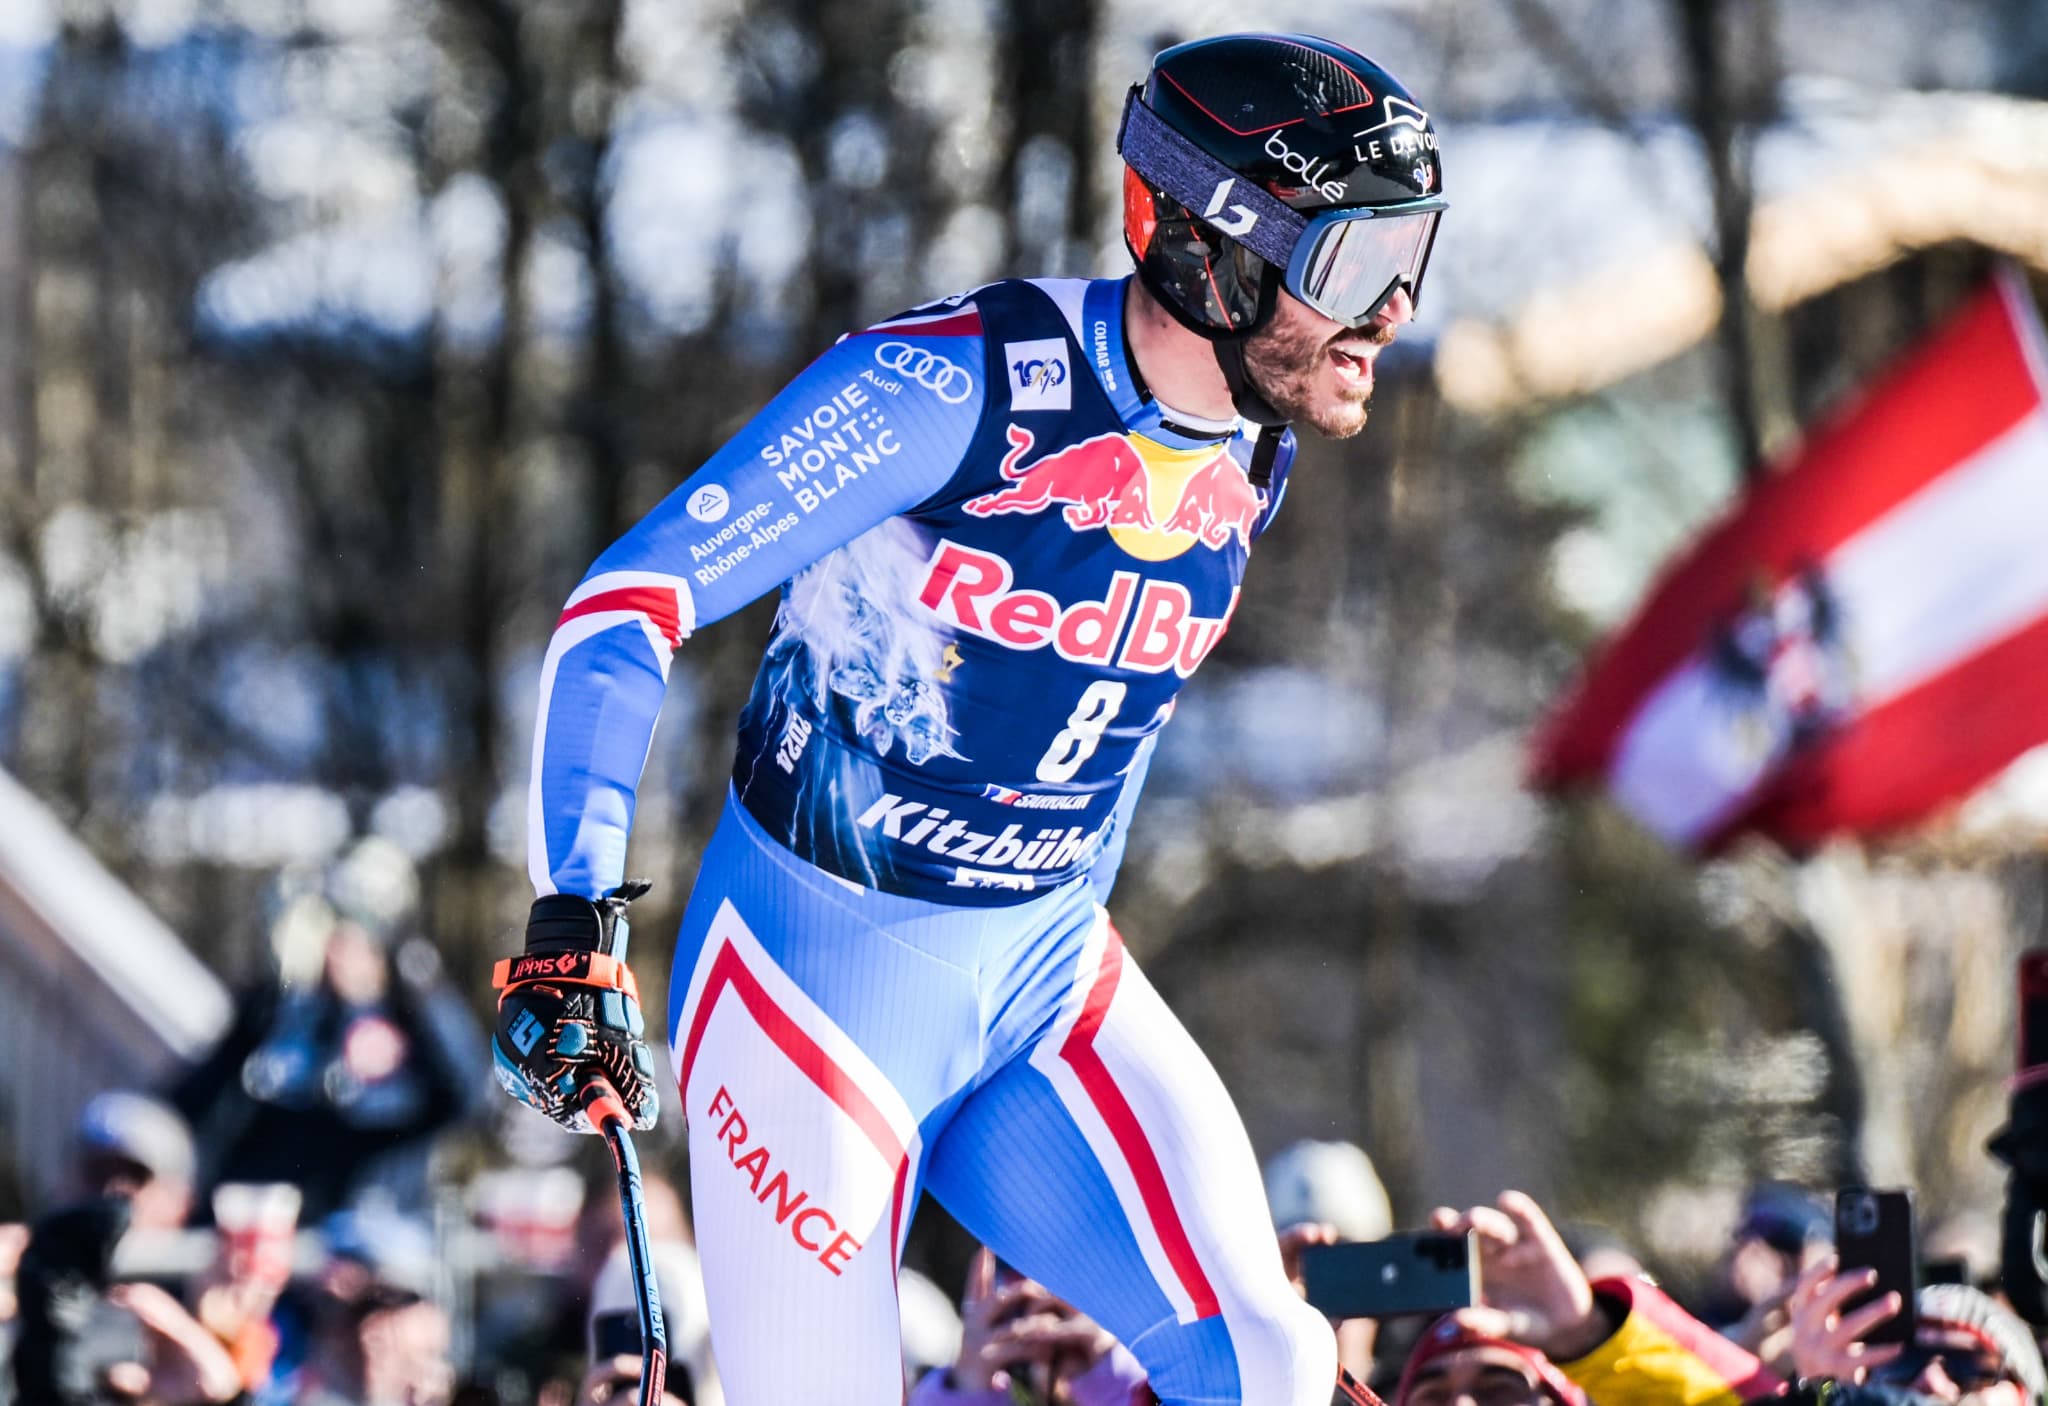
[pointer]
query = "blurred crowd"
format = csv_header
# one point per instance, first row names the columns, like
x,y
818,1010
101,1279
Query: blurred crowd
x,y
281,1226
141,1291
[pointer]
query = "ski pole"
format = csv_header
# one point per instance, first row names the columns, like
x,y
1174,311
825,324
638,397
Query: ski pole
x,y
608,1115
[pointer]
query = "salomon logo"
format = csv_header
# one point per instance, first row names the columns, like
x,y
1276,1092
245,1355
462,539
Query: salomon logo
x,y
941,377
1242,216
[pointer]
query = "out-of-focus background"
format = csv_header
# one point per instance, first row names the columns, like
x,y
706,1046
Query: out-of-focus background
x,y
339,335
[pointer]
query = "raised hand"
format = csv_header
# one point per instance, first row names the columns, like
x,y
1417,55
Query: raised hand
x,y
1826,1342
1531,1289
1018,1323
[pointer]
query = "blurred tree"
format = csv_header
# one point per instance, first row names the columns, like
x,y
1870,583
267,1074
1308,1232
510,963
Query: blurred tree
x,y
1733,64
129,197
526,112
828,81
1048,178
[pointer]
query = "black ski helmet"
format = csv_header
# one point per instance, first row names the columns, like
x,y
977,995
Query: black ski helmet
x,y
1313,124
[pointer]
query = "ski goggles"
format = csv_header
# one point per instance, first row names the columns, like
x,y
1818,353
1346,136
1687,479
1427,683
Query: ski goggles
x,y
1343,262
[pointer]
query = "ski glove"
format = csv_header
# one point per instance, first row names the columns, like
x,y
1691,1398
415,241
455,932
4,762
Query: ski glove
x,y
570,1010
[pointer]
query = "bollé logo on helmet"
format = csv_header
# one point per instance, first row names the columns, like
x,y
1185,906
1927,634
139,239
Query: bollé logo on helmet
x,y
1316,173
941,377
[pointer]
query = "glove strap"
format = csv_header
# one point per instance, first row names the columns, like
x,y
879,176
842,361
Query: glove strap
x,y
581,966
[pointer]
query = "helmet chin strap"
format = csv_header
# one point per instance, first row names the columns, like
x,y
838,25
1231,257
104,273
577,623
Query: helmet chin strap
x,y
1254,407
1244,395
1229,352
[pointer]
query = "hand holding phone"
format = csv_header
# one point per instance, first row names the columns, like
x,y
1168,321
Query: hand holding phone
x,y
1874,1231
1531,1288
2033,1021
1828,1340
1413,1272
615,1358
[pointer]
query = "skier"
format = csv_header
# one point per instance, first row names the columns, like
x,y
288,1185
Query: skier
x,y
1007,526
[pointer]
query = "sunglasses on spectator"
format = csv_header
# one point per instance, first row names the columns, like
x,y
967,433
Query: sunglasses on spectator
x,y
1967,1370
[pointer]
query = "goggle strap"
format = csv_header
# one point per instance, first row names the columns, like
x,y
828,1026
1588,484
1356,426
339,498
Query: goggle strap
x,y
1198,181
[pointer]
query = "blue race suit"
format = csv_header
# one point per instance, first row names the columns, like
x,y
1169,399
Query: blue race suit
x,y
1000,560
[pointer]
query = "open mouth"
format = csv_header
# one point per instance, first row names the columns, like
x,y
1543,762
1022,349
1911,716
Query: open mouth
x,y
1353,365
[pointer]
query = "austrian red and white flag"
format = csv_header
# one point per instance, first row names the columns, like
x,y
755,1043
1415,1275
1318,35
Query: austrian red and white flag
x,y
1865,636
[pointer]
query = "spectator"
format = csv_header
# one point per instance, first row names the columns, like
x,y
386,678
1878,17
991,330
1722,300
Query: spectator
x,y
930,1324
348,1055
1783,1229
546,1342
1020,1345
1454,1364
613,1341
379,1337
13,1240
1333,1183
1966,1348
1320,1193
135,1148
235,1299
82,1334
1619,1341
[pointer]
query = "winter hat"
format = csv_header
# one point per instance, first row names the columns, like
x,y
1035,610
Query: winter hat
x,y
1447,1335
138,1129
1328,1181
1977,1313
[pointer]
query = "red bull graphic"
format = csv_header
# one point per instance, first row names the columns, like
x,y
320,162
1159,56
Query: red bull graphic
x,y
1217,501
1153,621
1154,502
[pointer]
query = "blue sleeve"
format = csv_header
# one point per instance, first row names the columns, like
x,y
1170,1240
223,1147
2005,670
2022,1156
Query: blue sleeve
x,y
873,427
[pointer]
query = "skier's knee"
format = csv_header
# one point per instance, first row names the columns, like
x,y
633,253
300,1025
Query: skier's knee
x,y
1280,1352
1289,1356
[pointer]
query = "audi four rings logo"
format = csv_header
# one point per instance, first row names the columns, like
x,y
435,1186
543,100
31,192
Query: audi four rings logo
x,y
941,377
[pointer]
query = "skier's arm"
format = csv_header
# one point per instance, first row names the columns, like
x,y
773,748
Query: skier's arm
x,y
873,427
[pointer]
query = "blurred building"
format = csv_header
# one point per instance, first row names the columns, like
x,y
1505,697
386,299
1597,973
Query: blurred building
x,y
95,992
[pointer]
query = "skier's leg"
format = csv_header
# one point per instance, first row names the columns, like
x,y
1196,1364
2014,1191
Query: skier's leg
x,y
813,1025
1106,1161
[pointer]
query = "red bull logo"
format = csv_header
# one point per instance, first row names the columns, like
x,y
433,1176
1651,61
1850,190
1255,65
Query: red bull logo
x,y
1148,627
1154,502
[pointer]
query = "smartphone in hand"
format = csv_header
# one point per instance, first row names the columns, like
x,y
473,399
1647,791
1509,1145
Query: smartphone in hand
x,y
2033,1022
1413,1272
1874,1230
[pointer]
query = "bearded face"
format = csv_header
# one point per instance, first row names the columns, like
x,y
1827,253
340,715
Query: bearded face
x,y
1317,372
